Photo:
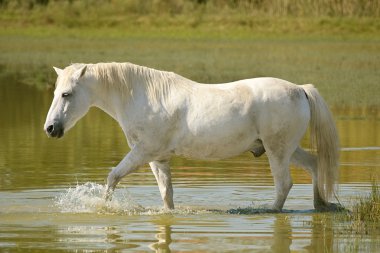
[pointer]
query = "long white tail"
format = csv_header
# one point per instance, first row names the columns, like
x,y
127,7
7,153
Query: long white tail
x,y
324,139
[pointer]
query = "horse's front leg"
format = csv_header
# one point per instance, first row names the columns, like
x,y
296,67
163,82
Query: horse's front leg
x,y
132,161
161,171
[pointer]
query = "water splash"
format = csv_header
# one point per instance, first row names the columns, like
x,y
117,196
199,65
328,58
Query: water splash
x,y
89,198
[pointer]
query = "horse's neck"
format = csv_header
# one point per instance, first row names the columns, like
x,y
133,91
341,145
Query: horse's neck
x,y
117,101
108,100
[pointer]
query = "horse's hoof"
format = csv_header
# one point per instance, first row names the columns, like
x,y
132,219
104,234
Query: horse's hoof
x,y
108,194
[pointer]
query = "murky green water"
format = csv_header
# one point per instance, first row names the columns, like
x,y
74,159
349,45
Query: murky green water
x,y
50,191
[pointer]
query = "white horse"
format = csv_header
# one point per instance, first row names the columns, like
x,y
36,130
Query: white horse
x,y
164,114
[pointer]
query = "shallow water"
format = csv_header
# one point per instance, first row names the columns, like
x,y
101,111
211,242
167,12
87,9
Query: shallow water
x,y
51,191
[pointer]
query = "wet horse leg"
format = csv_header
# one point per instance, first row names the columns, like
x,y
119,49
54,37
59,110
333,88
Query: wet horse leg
x,y
279,149
309,162
161,171
132,161
282,180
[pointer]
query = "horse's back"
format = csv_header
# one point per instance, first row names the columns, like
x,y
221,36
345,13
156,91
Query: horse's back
x,y
269,96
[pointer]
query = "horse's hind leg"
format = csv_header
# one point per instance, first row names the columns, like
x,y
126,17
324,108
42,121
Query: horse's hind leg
x,y
161,171
279,149
279,160
309,162
282,179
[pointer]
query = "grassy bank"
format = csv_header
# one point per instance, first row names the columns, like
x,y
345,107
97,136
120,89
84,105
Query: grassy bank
x,y
189,17
365,215
353,18
116,11
208,41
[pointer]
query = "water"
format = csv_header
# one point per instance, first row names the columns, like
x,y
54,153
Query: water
x,y
51,191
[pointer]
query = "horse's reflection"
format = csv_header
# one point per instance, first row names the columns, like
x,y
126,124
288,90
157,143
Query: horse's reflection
x,y
282,234
322,237
314,234
164,239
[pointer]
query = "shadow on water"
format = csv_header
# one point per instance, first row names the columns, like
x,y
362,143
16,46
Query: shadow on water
x,y
253,210
263,210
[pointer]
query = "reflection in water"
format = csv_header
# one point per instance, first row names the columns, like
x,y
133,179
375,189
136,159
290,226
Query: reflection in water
x,y
214,231
164,238
122,236
163,225
282,234
322,234
288,236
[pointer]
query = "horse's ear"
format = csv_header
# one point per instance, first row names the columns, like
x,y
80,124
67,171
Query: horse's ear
x,y
80,72
57,70
83,70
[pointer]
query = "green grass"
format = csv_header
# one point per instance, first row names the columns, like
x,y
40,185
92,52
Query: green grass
x,y
365,215
87,9
212,42
357,226
344,70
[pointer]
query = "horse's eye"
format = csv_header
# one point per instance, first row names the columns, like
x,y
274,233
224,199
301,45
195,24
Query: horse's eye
x,y
65,95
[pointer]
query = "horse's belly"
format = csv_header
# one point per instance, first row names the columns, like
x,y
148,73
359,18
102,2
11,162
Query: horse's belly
x,y
210,153
215,149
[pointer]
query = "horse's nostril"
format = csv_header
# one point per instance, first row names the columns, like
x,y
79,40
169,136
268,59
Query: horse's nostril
x,y
50,129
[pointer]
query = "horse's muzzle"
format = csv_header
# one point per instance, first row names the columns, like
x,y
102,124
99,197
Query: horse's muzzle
x,y
55,130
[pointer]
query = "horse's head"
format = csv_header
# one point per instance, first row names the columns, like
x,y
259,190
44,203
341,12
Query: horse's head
x,y
71,100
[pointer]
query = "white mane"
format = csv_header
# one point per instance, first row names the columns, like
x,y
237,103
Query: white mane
x,y
127,76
